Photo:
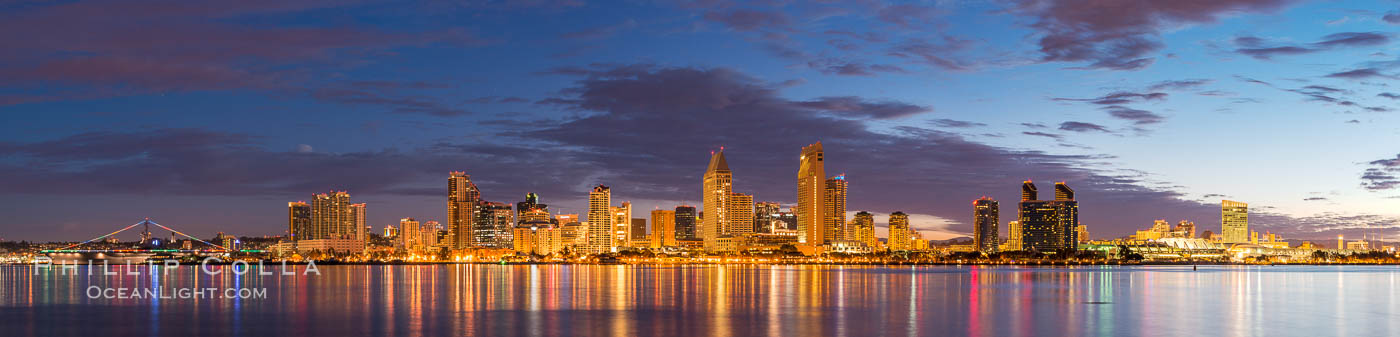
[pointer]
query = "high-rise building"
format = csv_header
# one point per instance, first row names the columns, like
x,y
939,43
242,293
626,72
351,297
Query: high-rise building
x,y
538,237
600,225
835,203
1187,229
357,222
639,231
298,220
331,217
686,220
463,198
765,216
1083,233
1013,236
1048,225
531,210
811,196
900,236
663,228
391,232
863,226
984,225
718,187
428,233
410,237
494,225
622,224
741,215
1234,221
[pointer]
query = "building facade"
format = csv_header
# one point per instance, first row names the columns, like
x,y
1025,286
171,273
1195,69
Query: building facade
x,y
718,187
599,236
1234,221
984,225
900,236
686,221
835,203
811,196
463,198
663,228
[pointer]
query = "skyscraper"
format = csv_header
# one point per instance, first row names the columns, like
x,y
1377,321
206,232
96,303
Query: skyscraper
x,y
356,228
1067,215
494,225
600,225
638,232
663,228
463,199
765,216
1234,221
1083,233
863,226
899,232
622,224
410,236
741,215
685,222
330,216
1048,225
1013,236
811,196
984,225
835,199
298,220
531,210
718,190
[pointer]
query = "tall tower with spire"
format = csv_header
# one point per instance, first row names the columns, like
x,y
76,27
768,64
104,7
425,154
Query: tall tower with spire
x,y
812,213
718,187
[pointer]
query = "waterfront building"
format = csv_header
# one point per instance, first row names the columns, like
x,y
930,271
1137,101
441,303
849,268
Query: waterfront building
x,y
811,196
900,236
539,237
835,205
390,231
531,210
984,225
741,215
622,224
1013,236
1234,221
638,235
463,198
1048,225
599,236
663,228
339,246
863,225
357,229
686,220
428,233
494,225
1184,229
718,184
765,216
334,217
298,220
412,237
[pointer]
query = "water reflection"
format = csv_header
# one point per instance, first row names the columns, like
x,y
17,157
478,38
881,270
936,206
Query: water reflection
x,y
551,300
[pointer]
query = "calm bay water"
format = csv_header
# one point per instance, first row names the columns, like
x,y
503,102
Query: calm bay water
x,y
554,300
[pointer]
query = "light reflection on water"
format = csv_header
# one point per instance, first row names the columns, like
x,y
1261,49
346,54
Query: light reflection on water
x,y
787,300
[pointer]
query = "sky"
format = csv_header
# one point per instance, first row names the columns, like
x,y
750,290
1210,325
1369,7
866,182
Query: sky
x,y
209,117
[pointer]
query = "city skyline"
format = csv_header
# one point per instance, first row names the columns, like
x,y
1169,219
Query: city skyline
x,y
135,112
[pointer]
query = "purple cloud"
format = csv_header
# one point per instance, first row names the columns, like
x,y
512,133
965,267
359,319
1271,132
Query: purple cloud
x,y
1139,117
1082,127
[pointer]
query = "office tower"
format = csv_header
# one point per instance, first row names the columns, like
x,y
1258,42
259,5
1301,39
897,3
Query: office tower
x,y
538,237
984,225
531,210
298,220
1028,191
639,231
462,201
330,216
899,232
600,225
1234,221
835,203
863,226
356,228
1067,215
573,230
410,237
1013,236
789,218
765,216
685,223
718,190
390,231
494,225
622,224
1082,233
663,228
741,215
811,196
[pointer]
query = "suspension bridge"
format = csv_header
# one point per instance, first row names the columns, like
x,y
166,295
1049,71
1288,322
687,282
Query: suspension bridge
x,y
147,247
